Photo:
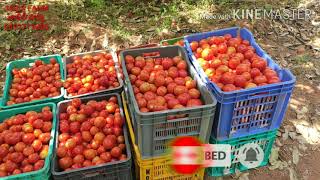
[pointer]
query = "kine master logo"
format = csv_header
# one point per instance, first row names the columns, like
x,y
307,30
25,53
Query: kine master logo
x,y
189,155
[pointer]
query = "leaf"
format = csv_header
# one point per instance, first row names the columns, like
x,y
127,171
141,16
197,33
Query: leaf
x,y
295,156
274,156
105,42
293,174
8,46
292,135
285,135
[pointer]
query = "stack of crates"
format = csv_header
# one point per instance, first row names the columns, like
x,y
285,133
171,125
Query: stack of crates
x,y
151,132
119,170
8,111
249,115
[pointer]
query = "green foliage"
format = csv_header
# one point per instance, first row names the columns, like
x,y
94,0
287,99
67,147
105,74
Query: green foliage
x,y
302,58
95,3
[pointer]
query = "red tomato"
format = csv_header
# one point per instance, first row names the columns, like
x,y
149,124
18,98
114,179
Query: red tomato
x,y
227,78
255,72
260,64
260,79
228,88
240,81
233,63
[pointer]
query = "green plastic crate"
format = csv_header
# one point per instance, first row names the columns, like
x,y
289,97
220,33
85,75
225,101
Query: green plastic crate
x,y
44,173
265,140
171,41
21,63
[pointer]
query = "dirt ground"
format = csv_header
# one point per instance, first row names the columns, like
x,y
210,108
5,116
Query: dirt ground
x,y
292,44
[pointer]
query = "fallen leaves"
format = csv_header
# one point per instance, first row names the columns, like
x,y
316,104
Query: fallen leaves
x,y
274,160
295,156
292,174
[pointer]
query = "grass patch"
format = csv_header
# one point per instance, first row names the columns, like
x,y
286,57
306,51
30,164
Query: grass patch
x,y
302,58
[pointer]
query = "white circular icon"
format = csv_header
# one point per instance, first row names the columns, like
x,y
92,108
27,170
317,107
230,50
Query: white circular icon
x,y
251,155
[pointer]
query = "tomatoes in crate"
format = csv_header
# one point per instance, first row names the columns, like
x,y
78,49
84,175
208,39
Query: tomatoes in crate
x,y
90,73
232,63
24,140
162,83
36,82
90,134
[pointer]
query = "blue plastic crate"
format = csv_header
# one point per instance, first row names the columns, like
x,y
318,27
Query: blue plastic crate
x,y
247,111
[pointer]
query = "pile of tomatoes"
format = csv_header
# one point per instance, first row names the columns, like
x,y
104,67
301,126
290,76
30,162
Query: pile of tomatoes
x,y
232,64
162,83
90,134
90,74
24,140
37,82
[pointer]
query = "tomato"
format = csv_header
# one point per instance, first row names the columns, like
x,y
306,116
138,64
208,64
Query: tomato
x,y
115,152
194,45
109,143
240,81
228,88
222,48
255,72
241,68
273,80
250,85
227,78
233,63
270,73
260,79
65,162
222,69
259,64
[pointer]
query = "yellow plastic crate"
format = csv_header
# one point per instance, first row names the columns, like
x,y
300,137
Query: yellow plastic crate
x,y
154,168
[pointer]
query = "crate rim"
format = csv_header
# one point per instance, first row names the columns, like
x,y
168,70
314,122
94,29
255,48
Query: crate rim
x,y
115,59
258,88
171,111
7,87
129,155
51,142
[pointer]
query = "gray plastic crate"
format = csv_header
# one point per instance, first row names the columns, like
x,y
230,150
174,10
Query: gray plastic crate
x,y
120,170
153,130
69,59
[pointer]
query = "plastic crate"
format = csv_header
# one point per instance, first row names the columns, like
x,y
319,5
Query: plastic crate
x,y
170,41
43,173
136,47
247,111
119,170
264,140
69,59
154,168
21,63
153,130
